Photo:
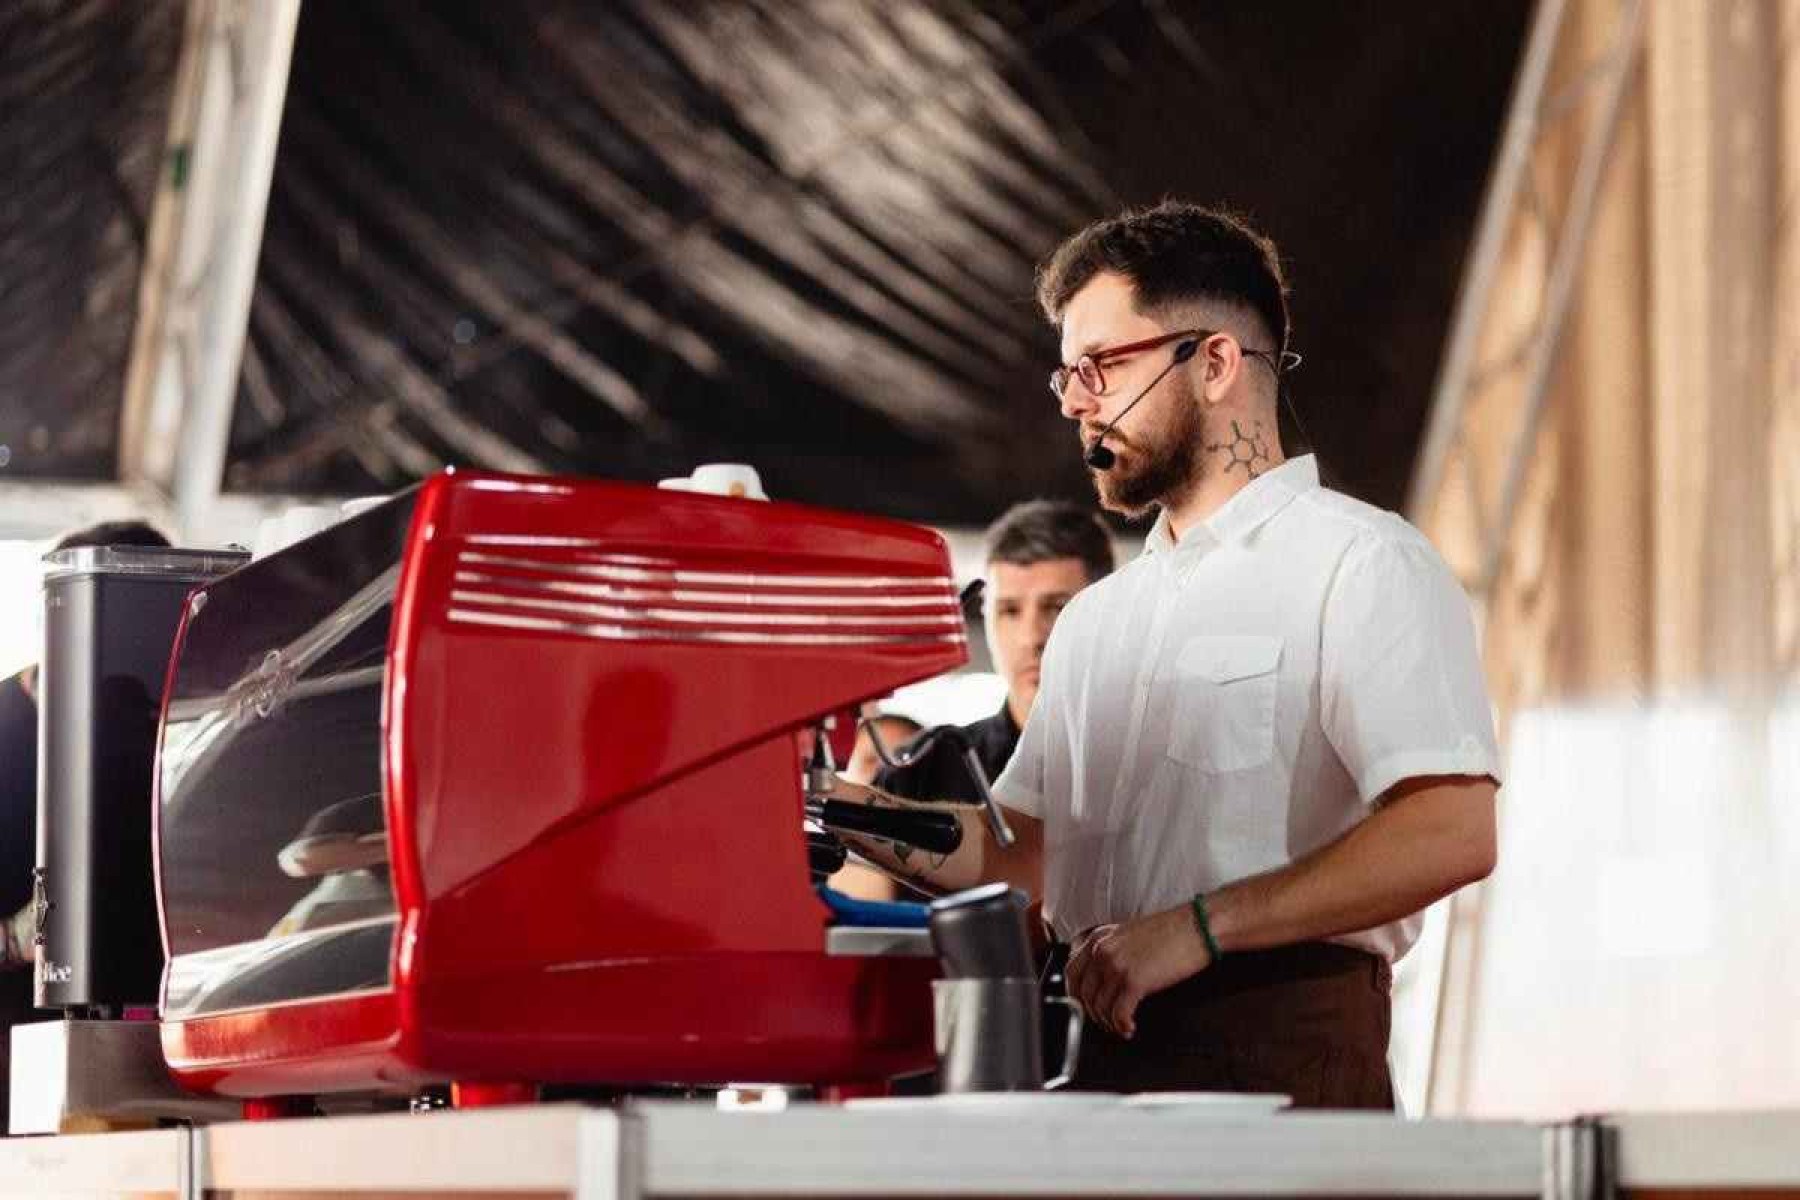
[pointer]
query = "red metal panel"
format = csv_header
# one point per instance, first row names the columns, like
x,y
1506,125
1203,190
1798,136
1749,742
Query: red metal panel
x,y
592,787
327,1045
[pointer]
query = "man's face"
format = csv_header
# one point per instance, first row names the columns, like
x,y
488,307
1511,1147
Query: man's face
x,y
1157,447
1022,603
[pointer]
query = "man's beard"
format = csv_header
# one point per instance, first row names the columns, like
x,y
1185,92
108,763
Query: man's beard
x,y
1167,463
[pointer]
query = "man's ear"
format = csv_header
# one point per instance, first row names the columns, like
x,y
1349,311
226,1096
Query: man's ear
x,y
1219,361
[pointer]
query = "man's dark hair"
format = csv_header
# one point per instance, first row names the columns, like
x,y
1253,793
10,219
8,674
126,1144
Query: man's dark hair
x,y
113,533
1039,530
1175,253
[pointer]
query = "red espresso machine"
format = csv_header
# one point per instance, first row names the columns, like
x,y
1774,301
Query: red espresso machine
x,y
500,781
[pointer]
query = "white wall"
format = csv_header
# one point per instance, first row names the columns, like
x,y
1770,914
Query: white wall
x,y
1640,947
20,624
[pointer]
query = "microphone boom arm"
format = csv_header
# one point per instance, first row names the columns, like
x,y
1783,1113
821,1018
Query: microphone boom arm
x,y
1100,456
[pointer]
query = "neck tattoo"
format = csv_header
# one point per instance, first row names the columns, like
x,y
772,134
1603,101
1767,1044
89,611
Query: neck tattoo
x,y
1246,450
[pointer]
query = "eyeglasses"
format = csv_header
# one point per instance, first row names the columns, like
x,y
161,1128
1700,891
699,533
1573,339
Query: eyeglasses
x,y
1089,368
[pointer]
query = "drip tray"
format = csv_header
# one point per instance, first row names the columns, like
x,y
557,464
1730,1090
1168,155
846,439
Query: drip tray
x,y
852,941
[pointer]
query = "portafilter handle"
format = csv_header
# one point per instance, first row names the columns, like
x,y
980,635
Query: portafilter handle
x,y
932,830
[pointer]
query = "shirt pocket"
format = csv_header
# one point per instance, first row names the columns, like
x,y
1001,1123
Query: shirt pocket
x,y
1223,715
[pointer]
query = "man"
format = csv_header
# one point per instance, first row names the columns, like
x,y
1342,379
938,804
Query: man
x,y
1038,555
1263,748
18,822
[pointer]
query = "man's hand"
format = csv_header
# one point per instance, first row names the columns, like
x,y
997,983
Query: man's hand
x,y
1113,967
17,939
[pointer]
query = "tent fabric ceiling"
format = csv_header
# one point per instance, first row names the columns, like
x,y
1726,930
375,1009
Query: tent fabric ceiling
x,y
84,109
621,239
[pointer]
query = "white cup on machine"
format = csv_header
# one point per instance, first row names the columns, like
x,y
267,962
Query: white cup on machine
x,y
720,479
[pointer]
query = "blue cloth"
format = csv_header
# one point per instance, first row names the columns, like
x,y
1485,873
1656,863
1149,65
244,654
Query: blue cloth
x,y
873,914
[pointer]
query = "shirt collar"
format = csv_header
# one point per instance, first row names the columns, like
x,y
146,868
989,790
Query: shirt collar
x,y
1244,513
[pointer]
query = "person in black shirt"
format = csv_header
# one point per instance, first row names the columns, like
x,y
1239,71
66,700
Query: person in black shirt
x,y
1039,554
18,809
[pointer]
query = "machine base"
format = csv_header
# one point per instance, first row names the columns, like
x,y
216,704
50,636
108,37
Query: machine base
x,y
83,1075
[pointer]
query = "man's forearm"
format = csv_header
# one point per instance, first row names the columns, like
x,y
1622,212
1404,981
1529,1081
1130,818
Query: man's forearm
x,y
931,872
1427,840
979,859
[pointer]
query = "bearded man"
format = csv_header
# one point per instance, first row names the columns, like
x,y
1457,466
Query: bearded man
x,y
1262,749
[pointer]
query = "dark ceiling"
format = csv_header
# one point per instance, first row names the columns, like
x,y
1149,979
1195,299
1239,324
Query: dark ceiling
x,y
621,239
84,110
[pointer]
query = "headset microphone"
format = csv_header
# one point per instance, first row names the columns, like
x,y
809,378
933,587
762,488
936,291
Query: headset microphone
x,y
1099,456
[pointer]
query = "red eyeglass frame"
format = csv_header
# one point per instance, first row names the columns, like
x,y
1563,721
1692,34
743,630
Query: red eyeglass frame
x,y
1059,377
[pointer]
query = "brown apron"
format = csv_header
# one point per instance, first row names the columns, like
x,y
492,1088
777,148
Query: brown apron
x,y
1309,1020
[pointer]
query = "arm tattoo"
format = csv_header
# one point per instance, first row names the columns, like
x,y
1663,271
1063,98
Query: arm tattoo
x,y
1246,450
903,852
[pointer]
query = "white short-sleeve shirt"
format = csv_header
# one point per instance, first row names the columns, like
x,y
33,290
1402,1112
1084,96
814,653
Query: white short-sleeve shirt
x,y
1223,706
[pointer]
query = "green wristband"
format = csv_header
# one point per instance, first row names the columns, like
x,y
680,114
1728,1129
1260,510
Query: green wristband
x,y
1206,933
